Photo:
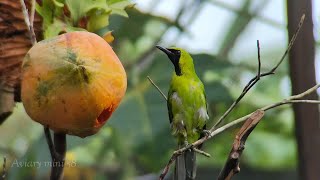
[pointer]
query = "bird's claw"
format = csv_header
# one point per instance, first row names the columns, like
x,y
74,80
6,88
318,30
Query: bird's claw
x,y
206,132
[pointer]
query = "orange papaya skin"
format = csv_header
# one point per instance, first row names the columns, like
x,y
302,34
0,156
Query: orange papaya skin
x,y
72,83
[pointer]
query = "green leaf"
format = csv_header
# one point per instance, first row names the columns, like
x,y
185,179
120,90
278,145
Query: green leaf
x,y
79,9
46,12
58,27
59,3
98,20
119,7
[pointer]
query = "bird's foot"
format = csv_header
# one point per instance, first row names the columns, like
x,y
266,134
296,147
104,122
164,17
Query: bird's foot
x,y
186,142
206,132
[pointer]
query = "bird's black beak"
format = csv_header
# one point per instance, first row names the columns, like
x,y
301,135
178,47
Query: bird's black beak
x,y
174,56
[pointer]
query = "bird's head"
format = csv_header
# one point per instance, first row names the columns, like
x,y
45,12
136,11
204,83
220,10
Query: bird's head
x,y
180,58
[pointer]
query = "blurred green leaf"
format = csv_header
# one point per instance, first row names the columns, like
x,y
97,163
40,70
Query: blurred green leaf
x,y
118,7
79,9
98,20
59,27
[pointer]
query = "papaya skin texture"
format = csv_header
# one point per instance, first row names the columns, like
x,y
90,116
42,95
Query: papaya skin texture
x,y
72,83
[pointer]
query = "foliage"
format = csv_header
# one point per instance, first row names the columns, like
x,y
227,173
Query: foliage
x,y
61,16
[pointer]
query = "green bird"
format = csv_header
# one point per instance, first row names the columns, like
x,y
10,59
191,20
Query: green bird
x,y
187,107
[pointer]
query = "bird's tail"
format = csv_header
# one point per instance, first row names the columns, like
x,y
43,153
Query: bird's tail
x,y
185,166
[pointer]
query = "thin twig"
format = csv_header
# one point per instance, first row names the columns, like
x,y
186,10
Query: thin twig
x,y
254,80
259,60
202,152
291,42
154,84
27,21
33,8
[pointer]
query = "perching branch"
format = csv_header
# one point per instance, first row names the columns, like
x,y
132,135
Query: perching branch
x,y
290,100
232,165
58,148
214,130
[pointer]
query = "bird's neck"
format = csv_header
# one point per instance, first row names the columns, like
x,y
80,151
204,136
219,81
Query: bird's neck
x,y
188,71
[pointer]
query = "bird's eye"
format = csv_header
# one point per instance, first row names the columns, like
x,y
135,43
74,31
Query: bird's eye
x,y
175,52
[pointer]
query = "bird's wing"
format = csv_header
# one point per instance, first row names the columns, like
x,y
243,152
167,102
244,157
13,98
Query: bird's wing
x,y
169,105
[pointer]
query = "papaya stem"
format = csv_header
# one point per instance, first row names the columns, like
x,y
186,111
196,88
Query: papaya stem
x,y
59,154
49,141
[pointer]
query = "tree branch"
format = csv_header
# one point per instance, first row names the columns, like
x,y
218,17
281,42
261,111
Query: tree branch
x,y
232,165
254,80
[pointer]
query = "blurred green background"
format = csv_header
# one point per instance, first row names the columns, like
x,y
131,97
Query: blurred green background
x,y
136,142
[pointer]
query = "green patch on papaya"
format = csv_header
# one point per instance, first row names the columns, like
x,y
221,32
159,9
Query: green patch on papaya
x,y
69,75
71,56
43,88
73,75
42,91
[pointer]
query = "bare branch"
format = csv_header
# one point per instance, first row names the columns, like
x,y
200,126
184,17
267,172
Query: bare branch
x,y
33,8
27,21
254,80
167,167
154,84
259,60
231,166
291,42
202,152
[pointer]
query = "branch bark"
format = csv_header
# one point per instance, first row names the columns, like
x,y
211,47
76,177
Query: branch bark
x,y
232,166
302,74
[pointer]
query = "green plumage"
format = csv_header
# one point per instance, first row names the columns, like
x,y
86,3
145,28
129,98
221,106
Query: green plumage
x,y
187,104
187,109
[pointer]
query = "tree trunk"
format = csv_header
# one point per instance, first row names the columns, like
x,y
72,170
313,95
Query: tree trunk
x,y
302,73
